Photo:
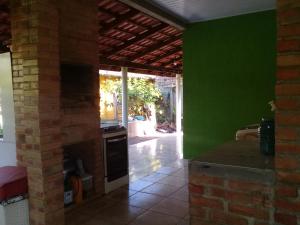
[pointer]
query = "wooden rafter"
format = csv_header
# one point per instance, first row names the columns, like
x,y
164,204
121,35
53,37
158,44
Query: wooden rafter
x,y
119,20
137,38
154,47
129,64
115,15
167,54
133,41
171,63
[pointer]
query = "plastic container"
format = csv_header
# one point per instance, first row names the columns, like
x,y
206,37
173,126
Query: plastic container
x,y
14,212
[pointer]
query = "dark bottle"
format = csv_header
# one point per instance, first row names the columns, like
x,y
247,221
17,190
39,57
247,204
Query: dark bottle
x,y
267,136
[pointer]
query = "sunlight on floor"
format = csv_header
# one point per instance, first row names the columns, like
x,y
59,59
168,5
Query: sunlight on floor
x,y
148,156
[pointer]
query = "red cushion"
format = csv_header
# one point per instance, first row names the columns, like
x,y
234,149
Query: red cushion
x,y
13,182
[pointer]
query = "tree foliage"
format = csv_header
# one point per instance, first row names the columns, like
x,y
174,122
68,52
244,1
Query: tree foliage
x,y
141,93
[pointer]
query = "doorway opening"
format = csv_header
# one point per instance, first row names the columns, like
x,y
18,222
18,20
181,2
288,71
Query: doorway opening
x,y
154,138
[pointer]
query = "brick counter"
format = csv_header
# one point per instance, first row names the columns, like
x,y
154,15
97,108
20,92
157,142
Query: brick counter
x,y
232,185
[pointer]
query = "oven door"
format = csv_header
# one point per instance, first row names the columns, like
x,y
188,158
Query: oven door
x,y
116,157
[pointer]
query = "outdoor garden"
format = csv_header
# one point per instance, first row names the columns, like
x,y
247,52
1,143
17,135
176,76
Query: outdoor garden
x,y
149,103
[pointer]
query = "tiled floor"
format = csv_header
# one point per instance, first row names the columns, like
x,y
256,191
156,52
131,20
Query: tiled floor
x,y
157,194
149,156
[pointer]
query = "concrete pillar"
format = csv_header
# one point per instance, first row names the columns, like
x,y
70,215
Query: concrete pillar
x,y
124,71
171,104
178,103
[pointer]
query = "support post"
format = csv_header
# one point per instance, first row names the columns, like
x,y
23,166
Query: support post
x,y
178,103
124,71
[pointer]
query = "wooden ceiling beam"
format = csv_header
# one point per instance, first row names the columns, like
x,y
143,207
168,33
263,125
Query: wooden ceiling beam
x,y
109,62
155,47
118,20
171,63
117,15
137,38
167,54
157,12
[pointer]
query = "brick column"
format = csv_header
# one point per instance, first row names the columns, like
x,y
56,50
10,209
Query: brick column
x,y
288,114
35,26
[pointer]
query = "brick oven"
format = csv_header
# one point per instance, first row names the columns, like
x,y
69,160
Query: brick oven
x,y
79,110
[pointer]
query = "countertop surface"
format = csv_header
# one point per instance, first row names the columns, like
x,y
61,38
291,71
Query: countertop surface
x,y
237,154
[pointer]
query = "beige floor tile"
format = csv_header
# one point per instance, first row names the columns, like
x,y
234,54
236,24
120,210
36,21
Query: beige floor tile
x,y
160,189
181,194
120,213
96,206
121,194
153,218
172,207
167,170
143,200
76,218
139,185
97,221
154,177
175,181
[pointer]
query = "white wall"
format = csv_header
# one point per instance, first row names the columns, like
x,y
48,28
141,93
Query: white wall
x,y
8,145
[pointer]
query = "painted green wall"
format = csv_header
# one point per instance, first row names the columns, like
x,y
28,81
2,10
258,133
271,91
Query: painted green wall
x,y
229,77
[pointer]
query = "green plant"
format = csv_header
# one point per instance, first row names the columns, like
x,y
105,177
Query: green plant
x,y
141,93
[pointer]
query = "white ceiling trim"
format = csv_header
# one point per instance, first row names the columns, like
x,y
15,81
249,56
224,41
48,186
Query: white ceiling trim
x,y
205,10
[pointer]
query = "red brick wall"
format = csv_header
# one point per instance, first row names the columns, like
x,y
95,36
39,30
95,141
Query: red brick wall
x,y
37,106
78,36
44,34
288,114
221,201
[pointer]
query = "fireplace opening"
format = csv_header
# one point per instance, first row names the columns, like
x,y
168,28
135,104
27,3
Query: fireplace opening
x,y
83,163
77,85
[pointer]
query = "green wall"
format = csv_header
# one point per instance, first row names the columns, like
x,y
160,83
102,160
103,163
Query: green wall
x,y
229,77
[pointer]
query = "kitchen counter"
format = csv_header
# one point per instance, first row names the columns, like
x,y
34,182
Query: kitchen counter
x,y
236,159
238,153
233,182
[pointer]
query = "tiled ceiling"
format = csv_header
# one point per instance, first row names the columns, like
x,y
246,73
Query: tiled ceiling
x,y
201,10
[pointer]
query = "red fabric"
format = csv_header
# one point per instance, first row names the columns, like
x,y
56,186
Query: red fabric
x,y
13,182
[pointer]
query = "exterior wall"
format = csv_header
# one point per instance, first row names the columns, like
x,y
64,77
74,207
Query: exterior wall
x,y
229,78
8,145
217,200
287,116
